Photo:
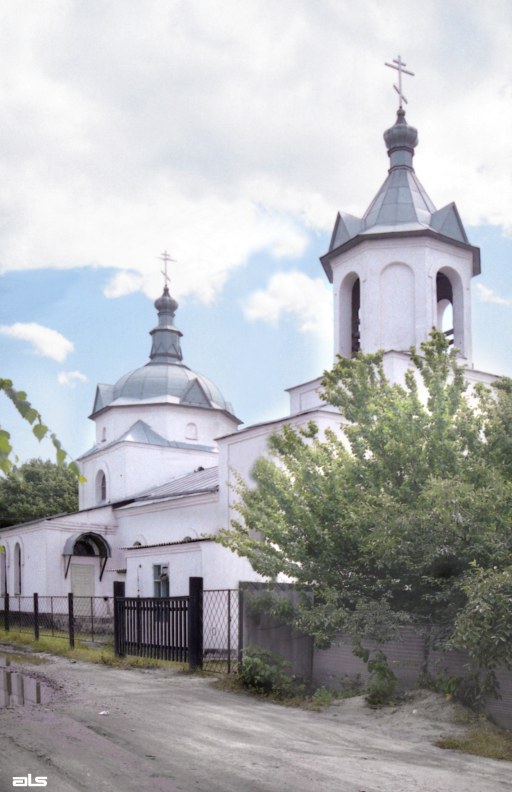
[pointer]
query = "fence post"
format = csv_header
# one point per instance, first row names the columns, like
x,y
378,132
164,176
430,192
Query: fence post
x,y
36,616
119,592
195,623
71,621
6,613
240,625
229,631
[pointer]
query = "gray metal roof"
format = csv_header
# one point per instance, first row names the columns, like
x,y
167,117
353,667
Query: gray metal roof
x,y
140,432
401,205
195,483
168,544
165,379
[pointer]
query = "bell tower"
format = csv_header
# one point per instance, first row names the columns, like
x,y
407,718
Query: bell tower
x,y
405,266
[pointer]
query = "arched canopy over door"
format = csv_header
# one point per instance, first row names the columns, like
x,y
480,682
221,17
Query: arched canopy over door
x,y
87,544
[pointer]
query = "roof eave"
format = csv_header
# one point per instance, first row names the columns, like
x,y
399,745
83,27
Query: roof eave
x,y
422,232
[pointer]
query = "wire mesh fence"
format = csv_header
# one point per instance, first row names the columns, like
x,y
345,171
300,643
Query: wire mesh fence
x,y
221,646
84,618
94,619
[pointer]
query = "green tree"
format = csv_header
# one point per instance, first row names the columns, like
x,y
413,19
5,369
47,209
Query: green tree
x,y
387,522
37,489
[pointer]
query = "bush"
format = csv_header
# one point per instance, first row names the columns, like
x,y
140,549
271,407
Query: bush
x,y
269,674
382,684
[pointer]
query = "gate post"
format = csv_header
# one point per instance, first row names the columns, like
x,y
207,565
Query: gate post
x,y
195,623
241,606
36,616
119,592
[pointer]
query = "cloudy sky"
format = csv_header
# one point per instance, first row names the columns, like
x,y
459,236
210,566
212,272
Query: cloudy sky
x,y
228,133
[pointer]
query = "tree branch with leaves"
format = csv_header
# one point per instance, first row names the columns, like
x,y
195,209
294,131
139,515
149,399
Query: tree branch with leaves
x,y
386,521
39,429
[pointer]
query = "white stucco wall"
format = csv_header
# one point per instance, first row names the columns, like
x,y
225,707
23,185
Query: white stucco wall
x,y
238,452
219,568
399,293
168,420
131,468
42,544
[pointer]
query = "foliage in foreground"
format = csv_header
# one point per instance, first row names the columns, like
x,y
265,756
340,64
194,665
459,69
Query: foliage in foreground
x,y
29,414
405,518
35,490
268,674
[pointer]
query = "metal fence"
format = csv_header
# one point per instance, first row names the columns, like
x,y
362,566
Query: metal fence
x,y
203,628
68,617
221,633
152,627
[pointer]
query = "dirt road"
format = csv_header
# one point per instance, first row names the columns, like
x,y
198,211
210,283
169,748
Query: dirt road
x,y
167,731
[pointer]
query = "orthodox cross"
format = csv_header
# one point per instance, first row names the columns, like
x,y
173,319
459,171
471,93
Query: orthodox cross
x,y
399,65
165,257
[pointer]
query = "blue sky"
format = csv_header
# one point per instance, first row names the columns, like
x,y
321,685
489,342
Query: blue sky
x,y
230,134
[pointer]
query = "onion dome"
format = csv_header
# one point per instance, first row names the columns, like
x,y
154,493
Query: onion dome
x,y
165,379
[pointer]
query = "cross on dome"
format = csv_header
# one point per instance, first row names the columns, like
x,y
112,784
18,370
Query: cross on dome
x,y
166,258
398,64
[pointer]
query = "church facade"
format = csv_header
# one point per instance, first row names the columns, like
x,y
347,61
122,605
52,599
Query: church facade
x,y
158,481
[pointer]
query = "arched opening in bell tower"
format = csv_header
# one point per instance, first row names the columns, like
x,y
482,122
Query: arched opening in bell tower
x,y
444,295
355,318
451,309
350,316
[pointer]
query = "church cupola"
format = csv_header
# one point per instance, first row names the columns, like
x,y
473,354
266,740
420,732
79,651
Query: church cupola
x,y
404,266
166,346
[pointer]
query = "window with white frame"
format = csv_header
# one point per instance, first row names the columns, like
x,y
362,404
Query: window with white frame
x,y
160,580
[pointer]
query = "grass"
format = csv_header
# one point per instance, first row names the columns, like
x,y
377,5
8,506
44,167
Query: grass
x,y
317,701
483,739
101,654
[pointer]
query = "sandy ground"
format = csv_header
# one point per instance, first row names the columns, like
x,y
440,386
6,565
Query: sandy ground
x,y
167,731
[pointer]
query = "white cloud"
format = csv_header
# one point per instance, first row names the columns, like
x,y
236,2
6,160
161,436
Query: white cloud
x,y
45,341
70,378
294,294
244,133
487,295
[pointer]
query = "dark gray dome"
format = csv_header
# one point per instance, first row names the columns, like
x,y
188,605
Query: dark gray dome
x,y
166,382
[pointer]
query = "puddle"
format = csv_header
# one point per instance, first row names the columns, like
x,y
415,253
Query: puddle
x,y
18,689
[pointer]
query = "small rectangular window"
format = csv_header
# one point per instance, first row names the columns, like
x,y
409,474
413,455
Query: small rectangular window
x,y
160,580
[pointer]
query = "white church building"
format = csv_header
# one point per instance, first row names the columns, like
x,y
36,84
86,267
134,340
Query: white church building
x,y
157,481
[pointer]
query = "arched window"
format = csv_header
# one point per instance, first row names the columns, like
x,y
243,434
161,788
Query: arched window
x,y
17,569
101,487
191,431
103,435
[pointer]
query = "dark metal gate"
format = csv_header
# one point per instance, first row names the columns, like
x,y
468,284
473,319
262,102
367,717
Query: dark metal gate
x,y
202,628
152,627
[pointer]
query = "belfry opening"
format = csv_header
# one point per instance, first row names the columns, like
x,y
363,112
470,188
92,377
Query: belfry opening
x,y
444,294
